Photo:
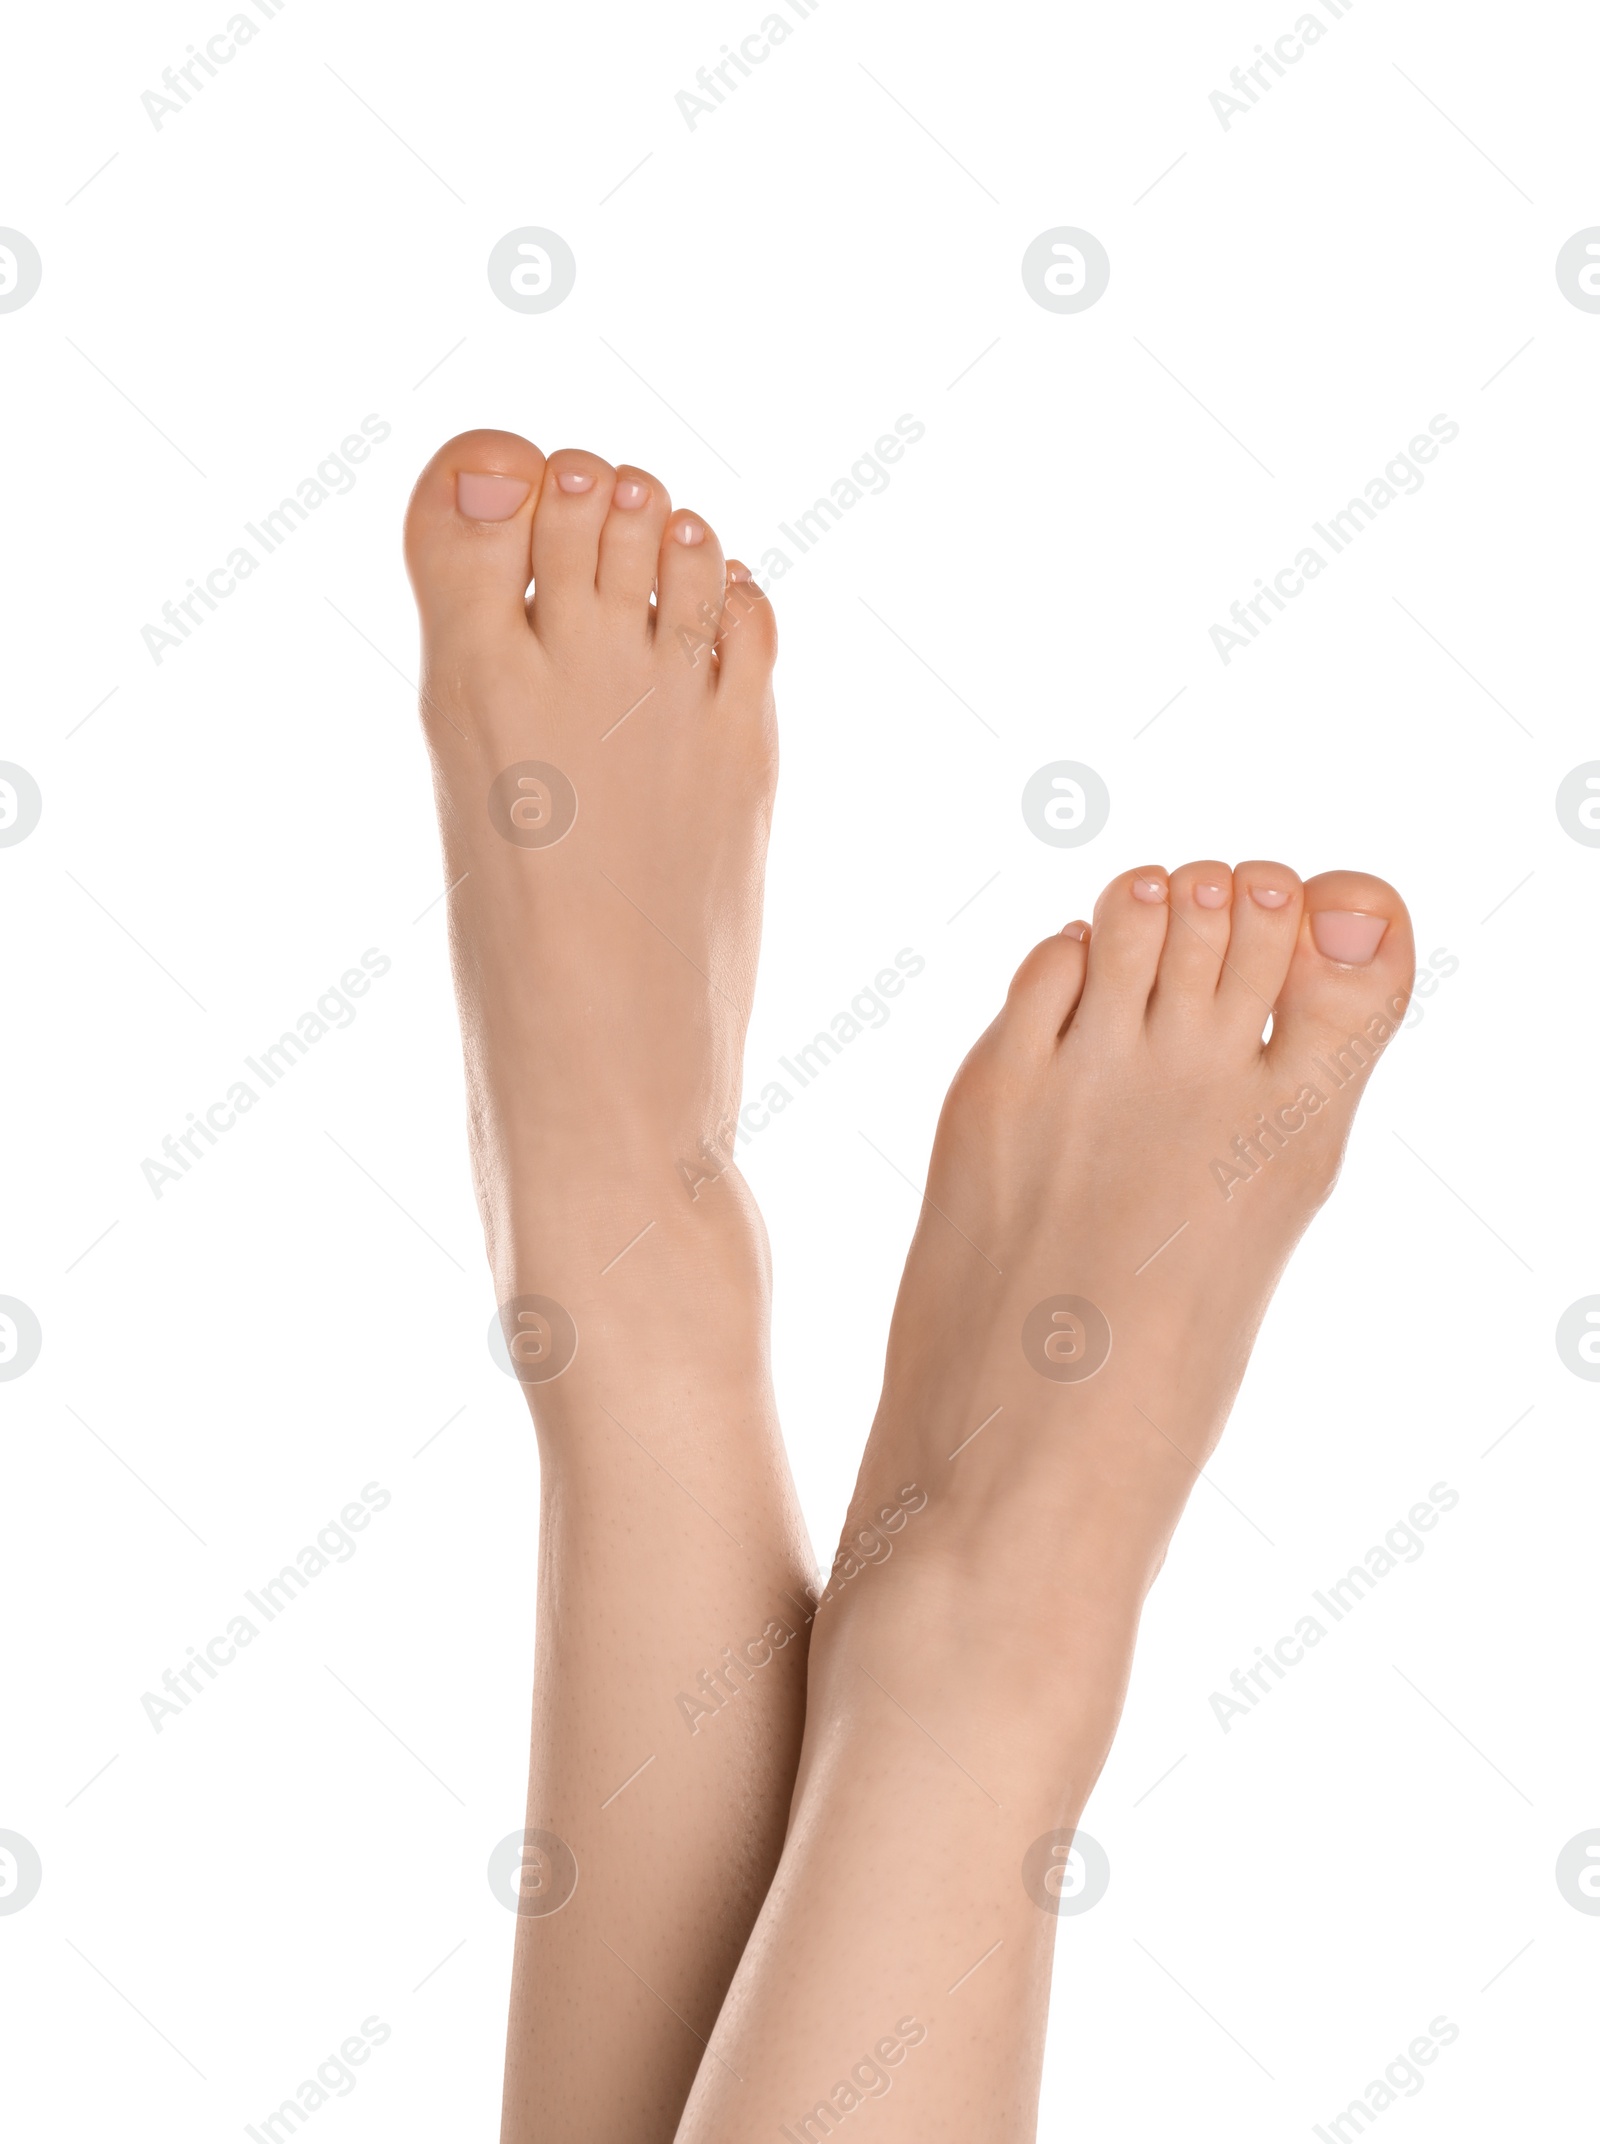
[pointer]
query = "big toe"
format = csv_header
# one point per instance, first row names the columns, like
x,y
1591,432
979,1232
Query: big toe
x,y
468,530
1349,979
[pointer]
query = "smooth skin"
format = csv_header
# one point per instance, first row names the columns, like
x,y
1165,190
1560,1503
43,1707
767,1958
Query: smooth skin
x,y
779,1947
604,985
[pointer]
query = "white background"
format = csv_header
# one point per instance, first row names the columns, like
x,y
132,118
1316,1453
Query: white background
x,y
229,831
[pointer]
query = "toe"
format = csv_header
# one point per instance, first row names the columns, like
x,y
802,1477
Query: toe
x,y
574,500
630,541
467,529
1130,928
1199,899
747,644
690,579
1045,990
1261,940
1349,979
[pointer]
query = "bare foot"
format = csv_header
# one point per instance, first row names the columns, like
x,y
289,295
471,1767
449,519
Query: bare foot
x,y
1121,1170
604,757
605,754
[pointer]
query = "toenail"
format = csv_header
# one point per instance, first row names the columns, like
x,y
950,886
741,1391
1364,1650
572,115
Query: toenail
x,y
1341,934
575,480
630,492
690,532
1268,896
736,572
1149,889
1080,931
1211,896
489,498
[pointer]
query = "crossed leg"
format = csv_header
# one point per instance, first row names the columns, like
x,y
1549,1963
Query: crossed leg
x,y
604,759
1120,1173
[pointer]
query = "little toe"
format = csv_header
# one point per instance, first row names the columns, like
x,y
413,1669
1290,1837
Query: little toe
x,y
747,642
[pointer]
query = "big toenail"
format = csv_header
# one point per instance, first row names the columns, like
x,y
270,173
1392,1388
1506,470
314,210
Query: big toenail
x,y
1211,896
1268,896
630,492
1340,934
575,480
1149,889
690,532
489,498
1080,931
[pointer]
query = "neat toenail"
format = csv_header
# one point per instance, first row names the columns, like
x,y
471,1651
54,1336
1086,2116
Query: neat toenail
x,y
1149,889
575,480
630,492
1268,896
489,498
690,532
1211,896
1341,934
1080,931
736,572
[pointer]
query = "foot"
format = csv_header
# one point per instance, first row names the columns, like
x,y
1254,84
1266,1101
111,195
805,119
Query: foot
x,y
1121,1171
604,755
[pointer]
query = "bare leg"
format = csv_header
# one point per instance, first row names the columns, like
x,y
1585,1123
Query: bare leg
x,y
604,772
1121,1171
